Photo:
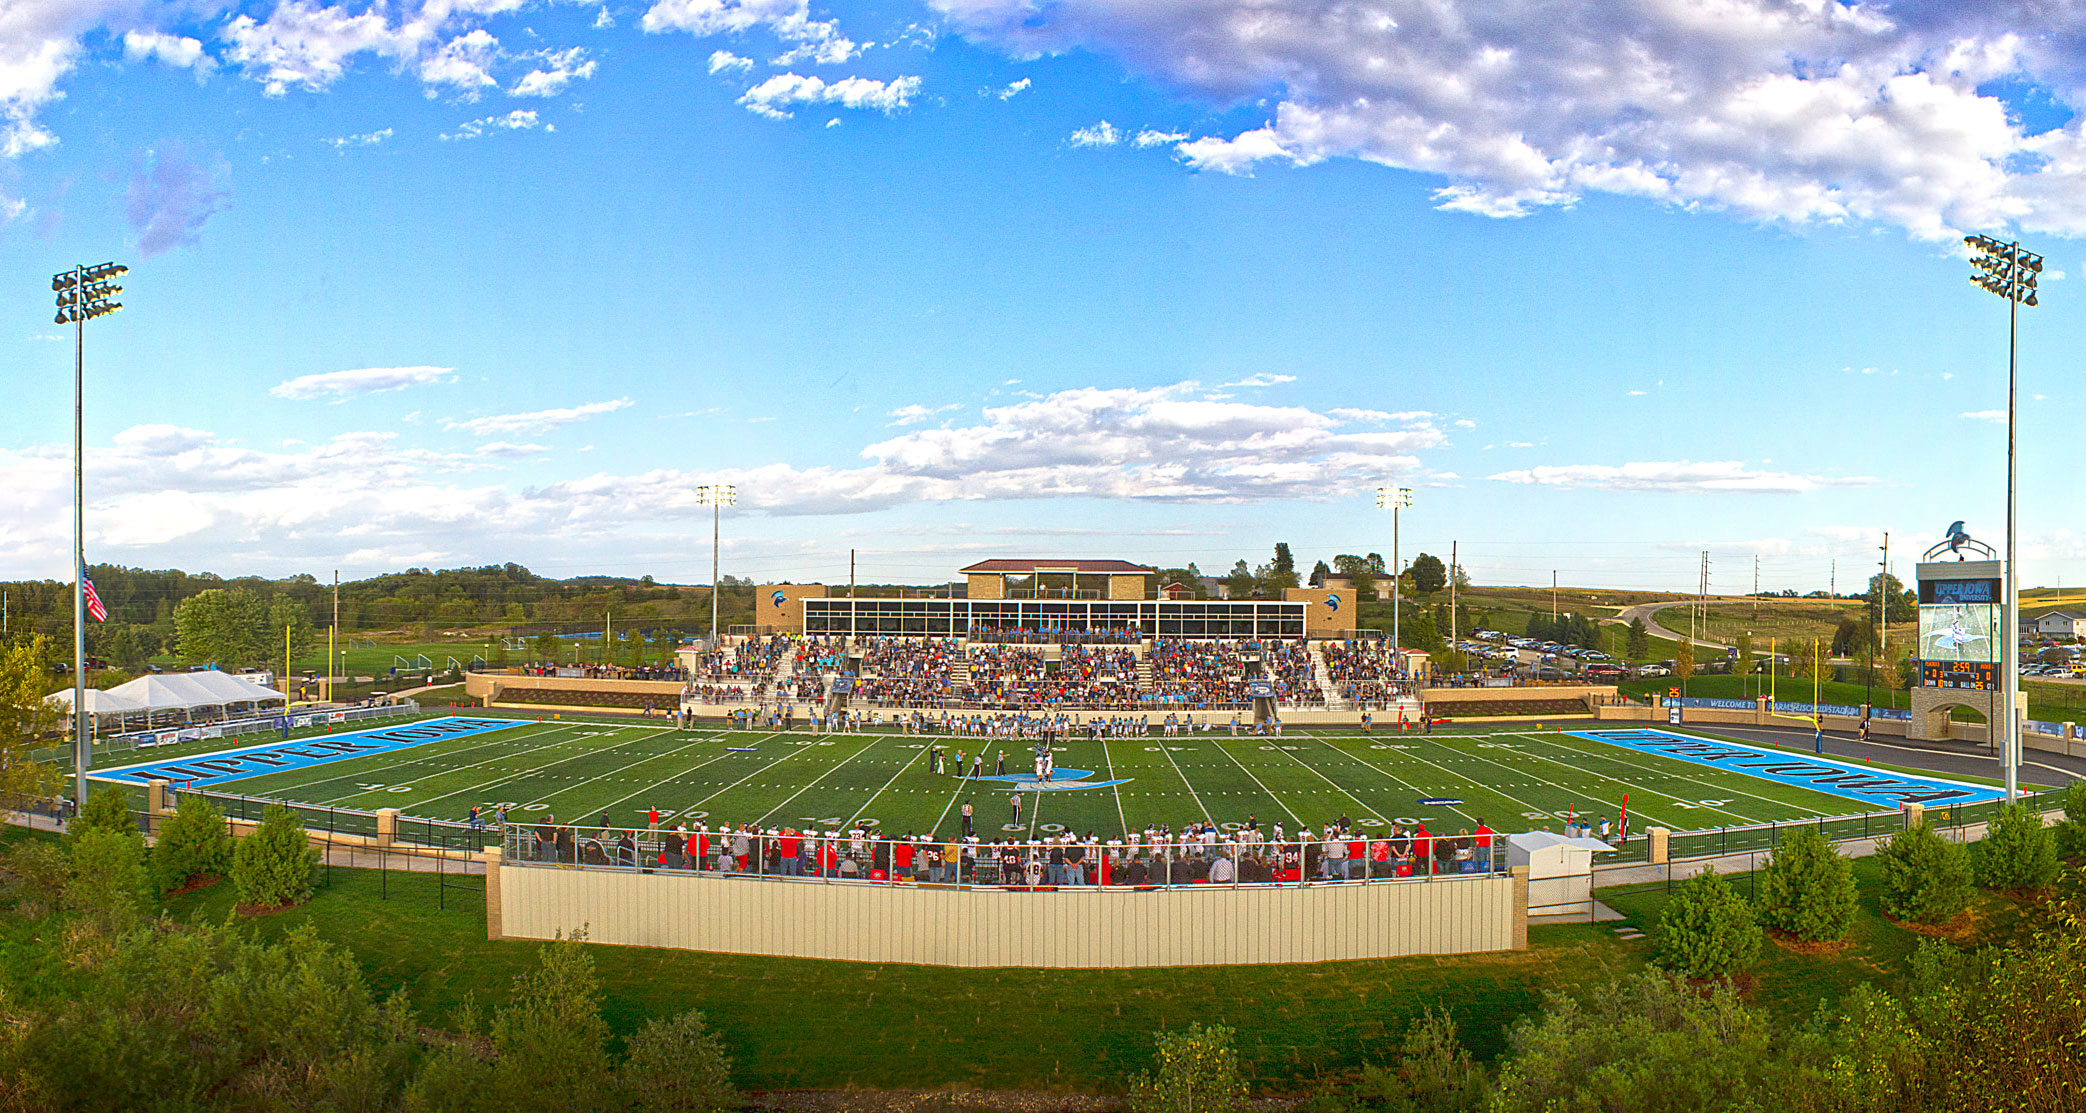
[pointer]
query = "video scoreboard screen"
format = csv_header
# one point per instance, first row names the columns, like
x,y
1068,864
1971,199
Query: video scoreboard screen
x,y
1982,676
1959,623
1260,689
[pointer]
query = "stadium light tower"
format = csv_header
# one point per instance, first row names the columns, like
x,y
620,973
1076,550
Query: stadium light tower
x,y
716,496
2008,270
1395,499
84,293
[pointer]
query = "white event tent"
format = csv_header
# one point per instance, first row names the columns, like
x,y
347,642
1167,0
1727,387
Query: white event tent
x,y
178,697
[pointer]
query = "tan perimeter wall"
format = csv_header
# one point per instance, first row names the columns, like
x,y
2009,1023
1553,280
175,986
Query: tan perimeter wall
x,y
1077,928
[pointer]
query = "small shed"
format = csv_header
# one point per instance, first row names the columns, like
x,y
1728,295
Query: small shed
x,y
1560,871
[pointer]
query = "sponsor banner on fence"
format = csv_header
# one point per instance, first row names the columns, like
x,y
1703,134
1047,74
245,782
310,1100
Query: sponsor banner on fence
x,y
1718,704
2041,727
252,761
1847,710
1820,774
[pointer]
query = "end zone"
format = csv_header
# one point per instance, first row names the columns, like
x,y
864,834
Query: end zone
x,y
252,761
1819,774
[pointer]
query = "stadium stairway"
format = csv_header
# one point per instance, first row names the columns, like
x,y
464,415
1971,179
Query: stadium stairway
x,y
1323,677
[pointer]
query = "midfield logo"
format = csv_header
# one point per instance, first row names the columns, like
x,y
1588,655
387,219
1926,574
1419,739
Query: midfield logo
x,y
1061,780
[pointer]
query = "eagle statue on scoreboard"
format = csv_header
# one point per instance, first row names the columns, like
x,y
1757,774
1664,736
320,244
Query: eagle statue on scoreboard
x,y
1957,538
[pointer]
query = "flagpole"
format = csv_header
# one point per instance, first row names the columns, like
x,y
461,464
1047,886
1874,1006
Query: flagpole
x,y
80,741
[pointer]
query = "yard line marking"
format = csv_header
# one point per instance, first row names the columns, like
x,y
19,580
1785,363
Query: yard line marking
x,y
1352,796
1686,777
1569,792
822,776
902,767
1256,780
484,785
352,776
794,751
1168,751
668,779
1109,764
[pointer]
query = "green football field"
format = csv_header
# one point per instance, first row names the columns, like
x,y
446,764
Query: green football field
x,y
577,770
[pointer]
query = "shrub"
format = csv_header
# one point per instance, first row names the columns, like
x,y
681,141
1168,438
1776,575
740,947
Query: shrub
x,y
1926,878
676,1066
2017,851
273,866
193,843
39,869
108,883
1807,890
1709,931
2071,834
1197,1072
1434,1074
107,810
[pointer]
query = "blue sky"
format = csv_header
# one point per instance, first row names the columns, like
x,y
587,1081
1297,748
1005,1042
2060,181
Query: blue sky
x,y
437,282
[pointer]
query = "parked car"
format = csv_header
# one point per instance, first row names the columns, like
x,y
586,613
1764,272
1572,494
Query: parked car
x,y
1654,670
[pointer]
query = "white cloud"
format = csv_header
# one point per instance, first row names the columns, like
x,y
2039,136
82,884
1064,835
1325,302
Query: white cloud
x,y
1997,417
521,119
1634,393
1680,475
915,413
772,97
603,21
366,139
1520,444
1103,134
1465,423
1153,137
1261,379
537,421
1014,89
507,450
174,50
725,61
814,40
310,45
1788,110
560,68
361,380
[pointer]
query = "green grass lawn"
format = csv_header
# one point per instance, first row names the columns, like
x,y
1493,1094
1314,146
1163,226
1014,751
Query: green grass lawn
x,y
793,1023
577,769
2046,701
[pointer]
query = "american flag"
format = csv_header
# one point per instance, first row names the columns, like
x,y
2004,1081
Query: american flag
x,y
94,607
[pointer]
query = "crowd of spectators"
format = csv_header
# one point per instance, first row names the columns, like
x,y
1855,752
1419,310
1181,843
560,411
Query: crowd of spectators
x,y
1199,674
606,672
1203,853
1363,673
1055,635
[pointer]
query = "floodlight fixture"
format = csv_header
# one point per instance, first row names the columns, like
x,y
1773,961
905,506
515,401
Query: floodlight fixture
x,y
1395,499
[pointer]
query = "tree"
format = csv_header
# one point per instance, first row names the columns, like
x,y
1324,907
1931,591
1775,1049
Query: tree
x,y
286,615
109,884
1319,572
1708,930
1743,665
1807,890
1284,564
1362,572
193,843
2017,851
1240,581
1638,644
1429,575
1684,659
1853,637
676,1066
1434,1073
1197,1071
26,717
106,809
1418,631
1186,577
1900,605
2070,835
550,1041
1926,878
225,626
273,866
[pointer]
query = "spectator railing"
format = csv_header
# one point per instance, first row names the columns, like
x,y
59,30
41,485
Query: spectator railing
x,y
830,857
1715,842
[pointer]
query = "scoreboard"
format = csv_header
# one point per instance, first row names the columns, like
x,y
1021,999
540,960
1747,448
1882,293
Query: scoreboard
x,y
1981,676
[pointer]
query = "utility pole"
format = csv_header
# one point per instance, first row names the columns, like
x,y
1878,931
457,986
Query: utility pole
x,y
1832,579
716,496
1553,595
332,634
851,596
84,293
1756,582
1395,499
1453,567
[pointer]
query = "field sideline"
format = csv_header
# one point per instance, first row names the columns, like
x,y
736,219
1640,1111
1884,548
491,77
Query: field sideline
x,y
577,770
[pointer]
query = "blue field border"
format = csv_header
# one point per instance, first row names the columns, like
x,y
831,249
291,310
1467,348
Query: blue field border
x,y
1819,774
203,770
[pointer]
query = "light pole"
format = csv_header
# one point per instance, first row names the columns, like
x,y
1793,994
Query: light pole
x,y
716,496
1395,499
84,293
2006,269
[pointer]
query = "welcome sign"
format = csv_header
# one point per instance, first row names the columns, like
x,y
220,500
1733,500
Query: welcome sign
x,y
1820,774
252,761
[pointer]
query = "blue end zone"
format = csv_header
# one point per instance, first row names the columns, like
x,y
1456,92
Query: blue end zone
x,y
252,761
1819,774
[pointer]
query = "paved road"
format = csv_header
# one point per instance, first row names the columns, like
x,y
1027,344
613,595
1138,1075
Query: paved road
x,y
1946,758
1649,612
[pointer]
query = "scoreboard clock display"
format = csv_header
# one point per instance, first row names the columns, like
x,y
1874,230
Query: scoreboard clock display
x,y
1982,676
